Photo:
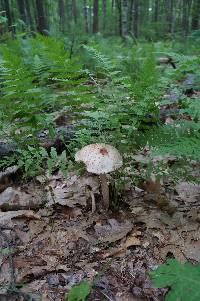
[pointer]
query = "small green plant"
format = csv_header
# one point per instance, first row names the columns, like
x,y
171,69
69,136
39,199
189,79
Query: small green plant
x,y
35,161
182,279
79,292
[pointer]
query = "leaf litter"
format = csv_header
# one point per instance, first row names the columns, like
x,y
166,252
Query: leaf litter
x,y
50,239
57,242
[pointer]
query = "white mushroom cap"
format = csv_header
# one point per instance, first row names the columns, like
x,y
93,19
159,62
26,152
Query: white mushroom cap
x,y
99,158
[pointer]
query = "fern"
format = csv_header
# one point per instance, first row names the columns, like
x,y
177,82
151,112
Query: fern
x,y
37,79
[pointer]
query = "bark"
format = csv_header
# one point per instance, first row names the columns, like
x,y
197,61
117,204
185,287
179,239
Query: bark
x,y
9,16
195,14
28,15
95,16
156,11
104,14
22,10
62,15
136,18
42,26
119,6
186,8
124,19
75,11
169,4
130,15
85,13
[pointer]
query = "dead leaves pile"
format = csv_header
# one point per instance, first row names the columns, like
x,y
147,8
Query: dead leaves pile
x,y
50,240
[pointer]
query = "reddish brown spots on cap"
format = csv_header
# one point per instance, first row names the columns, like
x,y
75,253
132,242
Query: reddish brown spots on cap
x,y
103,151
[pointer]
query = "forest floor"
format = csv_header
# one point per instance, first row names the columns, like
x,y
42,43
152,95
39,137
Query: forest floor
x,y
50,240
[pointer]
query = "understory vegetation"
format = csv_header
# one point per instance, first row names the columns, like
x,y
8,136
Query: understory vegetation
x,y
70,98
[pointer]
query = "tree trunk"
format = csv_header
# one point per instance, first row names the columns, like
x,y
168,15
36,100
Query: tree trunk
x,y
186,8
85,13
136,18
156,11
95,16
119,6
42,26
22,10
74,11
130,16
9,16
124,8
195,14
28,15
169,5
62,15
104,7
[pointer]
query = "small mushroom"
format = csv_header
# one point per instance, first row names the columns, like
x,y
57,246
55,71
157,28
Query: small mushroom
x,y
100,159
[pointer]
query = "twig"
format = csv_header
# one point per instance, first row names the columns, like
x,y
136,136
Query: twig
x,y
11,263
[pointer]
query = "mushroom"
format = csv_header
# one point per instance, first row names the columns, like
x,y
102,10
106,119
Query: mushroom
x,y
100,159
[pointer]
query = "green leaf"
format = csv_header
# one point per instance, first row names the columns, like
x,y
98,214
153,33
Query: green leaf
x,y
183,279
79,292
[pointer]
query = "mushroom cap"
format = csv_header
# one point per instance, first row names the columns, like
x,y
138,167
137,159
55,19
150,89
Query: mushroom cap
x,y
99,158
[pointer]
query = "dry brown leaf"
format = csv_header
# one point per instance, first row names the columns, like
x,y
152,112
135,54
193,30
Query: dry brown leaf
x,y
6,217
171,249
188,192
73,191
113,230
12,199
131,240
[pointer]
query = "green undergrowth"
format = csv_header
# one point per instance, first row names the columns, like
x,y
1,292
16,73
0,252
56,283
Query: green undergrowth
x,y
108,93
182,280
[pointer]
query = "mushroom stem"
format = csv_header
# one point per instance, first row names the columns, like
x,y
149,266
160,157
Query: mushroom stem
x,y
104,190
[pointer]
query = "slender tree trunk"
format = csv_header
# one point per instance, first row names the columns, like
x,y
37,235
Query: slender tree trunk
x,y
195,14
113,5
130,16
124,8
75,11
171,19
136,18
29,16
90,15
62,15
119,6
9,16
85,13
169,15
104,8
186,8
22,10
156,11
95,16
42,26
2,9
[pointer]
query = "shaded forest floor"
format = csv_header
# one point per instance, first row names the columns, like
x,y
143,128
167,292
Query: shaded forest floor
x,y
51,241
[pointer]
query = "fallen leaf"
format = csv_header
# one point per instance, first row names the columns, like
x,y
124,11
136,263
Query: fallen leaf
x,y
113,230
188,192
131,240
12,199
6,217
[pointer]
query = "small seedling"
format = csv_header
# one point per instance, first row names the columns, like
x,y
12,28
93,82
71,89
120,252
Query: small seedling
x,y
79,292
